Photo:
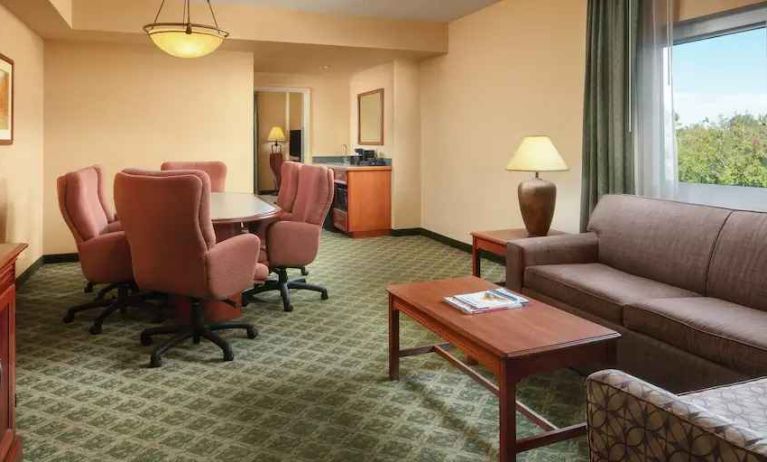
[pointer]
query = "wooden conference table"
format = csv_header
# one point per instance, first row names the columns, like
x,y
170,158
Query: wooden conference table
x,y
235,209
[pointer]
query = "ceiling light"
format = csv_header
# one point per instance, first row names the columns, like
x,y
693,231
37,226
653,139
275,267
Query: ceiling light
x,y
186,39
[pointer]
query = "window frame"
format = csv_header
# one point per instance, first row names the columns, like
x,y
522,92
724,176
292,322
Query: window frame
x,y
729,22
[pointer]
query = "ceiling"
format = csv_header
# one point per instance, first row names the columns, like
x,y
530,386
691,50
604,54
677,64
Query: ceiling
x,y
419,10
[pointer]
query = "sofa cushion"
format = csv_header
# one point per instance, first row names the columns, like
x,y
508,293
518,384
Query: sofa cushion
x,y
596,288
738,271
665,241
744,403
720,331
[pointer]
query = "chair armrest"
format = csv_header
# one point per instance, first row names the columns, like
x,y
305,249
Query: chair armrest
x,y
106,258
629,419
231,265
547,250
292,243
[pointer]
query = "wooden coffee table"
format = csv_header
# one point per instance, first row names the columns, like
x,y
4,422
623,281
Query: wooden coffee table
x,y
512,344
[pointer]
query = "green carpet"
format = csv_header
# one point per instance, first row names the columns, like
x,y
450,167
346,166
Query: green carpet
x,y
312,386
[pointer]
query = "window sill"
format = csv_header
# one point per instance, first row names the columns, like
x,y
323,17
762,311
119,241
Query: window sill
x,y
734,197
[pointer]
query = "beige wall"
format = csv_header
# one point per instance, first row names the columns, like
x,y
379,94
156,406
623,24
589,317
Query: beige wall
x,y
402,133
514,69
406,129
133,106
21,164
329,119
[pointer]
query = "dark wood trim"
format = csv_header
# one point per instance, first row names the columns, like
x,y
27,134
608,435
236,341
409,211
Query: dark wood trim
x,y
407,232
13,99
23,277
456,244
61,258
359,118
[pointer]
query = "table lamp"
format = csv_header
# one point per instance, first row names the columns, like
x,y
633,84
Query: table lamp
x,y
277,136
537,197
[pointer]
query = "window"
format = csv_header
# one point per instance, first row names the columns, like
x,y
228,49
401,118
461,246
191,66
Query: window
x,y
720,102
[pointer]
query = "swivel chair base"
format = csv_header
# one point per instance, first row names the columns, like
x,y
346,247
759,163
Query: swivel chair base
x,y
127,296
283,284
197,330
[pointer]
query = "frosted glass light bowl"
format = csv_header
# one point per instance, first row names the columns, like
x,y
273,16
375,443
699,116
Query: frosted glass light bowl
x,y
185,40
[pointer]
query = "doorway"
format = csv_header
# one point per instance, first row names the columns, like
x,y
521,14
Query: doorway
x,y
281,131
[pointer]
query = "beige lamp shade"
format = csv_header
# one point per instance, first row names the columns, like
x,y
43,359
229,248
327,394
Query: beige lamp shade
x,y
276,134
537,154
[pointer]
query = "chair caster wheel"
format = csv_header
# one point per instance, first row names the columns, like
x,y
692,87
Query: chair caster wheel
x,y
228,356
324,296
155,361
95,329
68,318
252,333
146,340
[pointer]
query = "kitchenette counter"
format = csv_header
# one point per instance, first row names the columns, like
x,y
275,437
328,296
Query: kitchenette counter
x,y
357,168
362,205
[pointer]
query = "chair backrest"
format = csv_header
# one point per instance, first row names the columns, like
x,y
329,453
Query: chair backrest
x,y
216,171
287,194
82,203
314,194
166,217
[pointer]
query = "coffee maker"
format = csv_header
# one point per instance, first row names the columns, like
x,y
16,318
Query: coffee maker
x,y
365,157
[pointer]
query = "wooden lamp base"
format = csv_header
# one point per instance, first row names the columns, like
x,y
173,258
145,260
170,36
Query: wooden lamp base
x,y
537,199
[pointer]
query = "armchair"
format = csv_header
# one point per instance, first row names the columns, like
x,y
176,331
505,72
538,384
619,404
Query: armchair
x,y
216,171
631,420
293,241
101,244
166,216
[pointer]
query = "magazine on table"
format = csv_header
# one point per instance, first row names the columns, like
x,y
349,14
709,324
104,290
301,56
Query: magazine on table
x,y
486,301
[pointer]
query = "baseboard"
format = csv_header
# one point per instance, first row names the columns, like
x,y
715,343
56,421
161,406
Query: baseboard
x,y
446,240
456,244
61,258
407,232
22,278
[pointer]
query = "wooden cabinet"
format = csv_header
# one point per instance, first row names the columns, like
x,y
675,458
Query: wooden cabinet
x,y
362,205
10,443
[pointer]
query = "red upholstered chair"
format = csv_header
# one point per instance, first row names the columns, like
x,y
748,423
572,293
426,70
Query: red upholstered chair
x,y
285,199
216,171
166,217
293,242
102,247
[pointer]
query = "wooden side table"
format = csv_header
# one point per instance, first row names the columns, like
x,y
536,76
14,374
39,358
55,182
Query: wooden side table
x,y
495,243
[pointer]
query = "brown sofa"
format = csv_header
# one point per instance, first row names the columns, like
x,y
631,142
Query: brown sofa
x,y
685,284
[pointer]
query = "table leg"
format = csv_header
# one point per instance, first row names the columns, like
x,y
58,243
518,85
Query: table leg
x,y
476,259
507,397
393,341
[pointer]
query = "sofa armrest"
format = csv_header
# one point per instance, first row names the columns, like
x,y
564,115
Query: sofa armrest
x,y
231,265
629,419
547,250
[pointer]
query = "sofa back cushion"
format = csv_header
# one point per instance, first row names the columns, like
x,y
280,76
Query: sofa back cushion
x,y
738,271
666,241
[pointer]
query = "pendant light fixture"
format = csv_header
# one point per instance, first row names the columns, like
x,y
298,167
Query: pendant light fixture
x,y
186,39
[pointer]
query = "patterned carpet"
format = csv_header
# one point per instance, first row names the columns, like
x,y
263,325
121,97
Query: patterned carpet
x,y
311,387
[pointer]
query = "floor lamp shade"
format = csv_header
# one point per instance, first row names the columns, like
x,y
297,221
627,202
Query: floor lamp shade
x,y
537,197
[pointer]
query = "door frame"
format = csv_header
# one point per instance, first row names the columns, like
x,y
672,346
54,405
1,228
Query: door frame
x,y
306,116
